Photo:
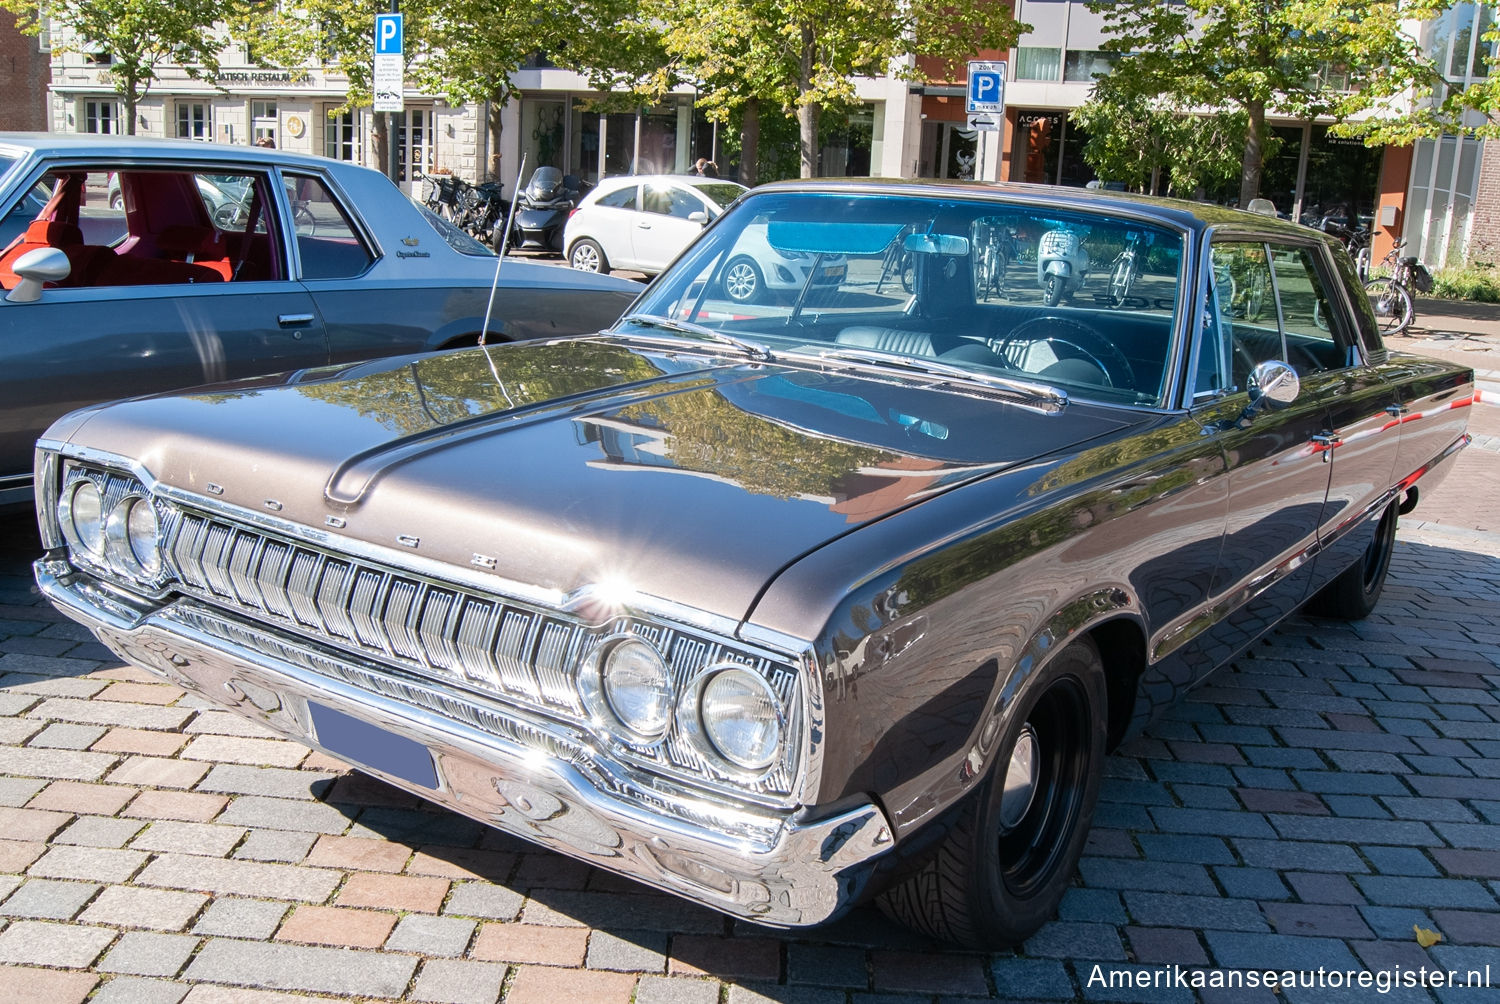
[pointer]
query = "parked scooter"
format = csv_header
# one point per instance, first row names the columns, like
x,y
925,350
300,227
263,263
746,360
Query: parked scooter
x,y
1062,263
543,209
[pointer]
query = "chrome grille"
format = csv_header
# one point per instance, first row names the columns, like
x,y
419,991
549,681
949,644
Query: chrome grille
x,y
484,643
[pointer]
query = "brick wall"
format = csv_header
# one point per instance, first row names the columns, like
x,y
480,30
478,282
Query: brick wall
x,y
25,73
1484,233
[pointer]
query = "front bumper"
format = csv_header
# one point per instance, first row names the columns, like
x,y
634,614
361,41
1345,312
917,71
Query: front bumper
x,y
773,868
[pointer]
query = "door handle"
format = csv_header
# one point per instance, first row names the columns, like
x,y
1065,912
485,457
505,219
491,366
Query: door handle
x,y
643,226
294,320
1328,440
1397,410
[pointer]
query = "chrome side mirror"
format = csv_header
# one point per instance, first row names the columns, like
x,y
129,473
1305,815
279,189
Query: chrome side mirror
x,y
1274,383
699,217
36,268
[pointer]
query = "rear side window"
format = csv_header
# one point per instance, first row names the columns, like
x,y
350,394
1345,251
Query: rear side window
x,y
327,242
622,199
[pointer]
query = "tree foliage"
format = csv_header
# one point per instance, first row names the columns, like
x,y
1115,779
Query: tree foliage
x,y
1302,59
139,36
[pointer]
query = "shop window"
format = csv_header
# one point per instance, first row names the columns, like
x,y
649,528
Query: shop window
x,y
1037,63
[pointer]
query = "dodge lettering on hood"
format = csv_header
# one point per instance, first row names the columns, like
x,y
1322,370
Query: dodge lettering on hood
x,y
839,592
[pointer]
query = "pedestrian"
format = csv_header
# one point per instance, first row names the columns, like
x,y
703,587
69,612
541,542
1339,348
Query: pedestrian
x,y
698,168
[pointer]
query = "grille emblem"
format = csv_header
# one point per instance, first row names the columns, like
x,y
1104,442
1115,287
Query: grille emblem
x,y
273,505
407,540
214,489
482,561
337,522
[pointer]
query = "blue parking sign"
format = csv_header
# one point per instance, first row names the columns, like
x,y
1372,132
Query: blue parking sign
x,y
986,91
388,31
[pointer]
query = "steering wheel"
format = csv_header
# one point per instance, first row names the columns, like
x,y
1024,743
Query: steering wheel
x,y
1068,339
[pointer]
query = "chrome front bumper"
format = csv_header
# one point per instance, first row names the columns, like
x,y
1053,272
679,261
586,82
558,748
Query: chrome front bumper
x,y
773,868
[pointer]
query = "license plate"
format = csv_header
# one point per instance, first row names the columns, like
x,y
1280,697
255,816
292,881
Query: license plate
x,y
367,745
833,271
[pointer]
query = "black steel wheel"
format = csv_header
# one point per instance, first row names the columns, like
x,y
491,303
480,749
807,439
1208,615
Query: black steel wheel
x,y
1009,854
1353,595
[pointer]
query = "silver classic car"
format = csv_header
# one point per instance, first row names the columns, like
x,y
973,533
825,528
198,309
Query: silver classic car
x,y
155,265
784,605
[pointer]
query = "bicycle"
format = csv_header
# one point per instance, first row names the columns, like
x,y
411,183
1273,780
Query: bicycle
x,y
996,250
1391,295
1356,241
1126,270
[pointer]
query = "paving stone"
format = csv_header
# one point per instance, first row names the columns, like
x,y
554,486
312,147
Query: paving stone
x,y
272,782
676,990
275,845
211,839
187,806
300,967
1341,783
284,814
98,831
66,737
1131,984
1095,905
1478,835
394,892
424,825
1317,920
140,954
333,925
1199,850
241,918
69,764
481,899
1207,821
1388,890
1071,940
1252,883
447,936
17,791
38,943
129,906
101,863
239,878
135,716
1399,861
546,985
1032,979
1160,945
770,993
454,982
1106,873
1280,952
1374,831
1299,854
44,899
810,965
530,943
24,984
156,772
243,750
359,854
140,990
1157,909
1460,862
635,952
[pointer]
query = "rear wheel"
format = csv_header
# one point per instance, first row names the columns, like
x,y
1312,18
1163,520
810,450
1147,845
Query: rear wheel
x,y
588,256
1121,281
1393,305
1353,595
1009,856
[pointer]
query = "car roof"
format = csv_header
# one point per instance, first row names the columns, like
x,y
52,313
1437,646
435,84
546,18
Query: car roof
x,y
127,148
1190,216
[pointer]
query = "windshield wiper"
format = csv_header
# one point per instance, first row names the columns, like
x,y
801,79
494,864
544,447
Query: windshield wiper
x,y
753,349
1055,397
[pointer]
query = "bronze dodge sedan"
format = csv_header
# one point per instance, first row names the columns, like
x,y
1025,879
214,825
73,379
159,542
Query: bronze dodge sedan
x,y
785,605
159,265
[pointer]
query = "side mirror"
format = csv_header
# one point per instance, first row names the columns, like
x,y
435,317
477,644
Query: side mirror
x,y
1274,383
700,217
36,268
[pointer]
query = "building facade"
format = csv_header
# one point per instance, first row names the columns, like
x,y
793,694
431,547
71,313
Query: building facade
x,y
1425,195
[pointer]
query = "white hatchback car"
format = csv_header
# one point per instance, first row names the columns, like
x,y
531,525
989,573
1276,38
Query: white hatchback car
x,y
642,222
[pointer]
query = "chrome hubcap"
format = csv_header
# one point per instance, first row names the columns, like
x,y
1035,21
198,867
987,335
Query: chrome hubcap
x,y
1020,779
741,282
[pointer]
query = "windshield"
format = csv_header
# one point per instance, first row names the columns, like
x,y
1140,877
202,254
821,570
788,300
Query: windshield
x,y
1081,301
455,238
722,192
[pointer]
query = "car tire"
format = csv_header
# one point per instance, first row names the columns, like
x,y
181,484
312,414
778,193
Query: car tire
x,y
117,201
743,282
1353,595
1005,861
587,256
1053,291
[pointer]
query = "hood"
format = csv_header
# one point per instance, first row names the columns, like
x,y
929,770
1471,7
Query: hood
x,y
586,462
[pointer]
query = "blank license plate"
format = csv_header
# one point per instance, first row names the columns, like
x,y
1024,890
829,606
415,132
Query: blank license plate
x,y
372,746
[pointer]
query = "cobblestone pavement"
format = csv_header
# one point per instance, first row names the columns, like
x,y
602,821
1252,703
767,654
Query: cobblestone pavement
x,y
1334,790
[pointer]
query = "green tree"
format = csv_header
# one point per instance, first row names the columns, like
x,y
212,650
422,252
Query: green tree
x,y
138,36
1302,59
804,55
1157,146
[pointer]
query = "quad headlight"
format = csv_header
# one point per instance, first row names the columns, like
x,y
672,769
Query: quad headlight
x,y
638,688
110,524
741,716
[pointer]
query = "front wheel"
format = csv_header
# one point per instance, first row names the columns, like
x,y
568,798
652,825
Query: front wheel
x,y
1393,305
588,256
1052,293
742,280
1121,281
1009,855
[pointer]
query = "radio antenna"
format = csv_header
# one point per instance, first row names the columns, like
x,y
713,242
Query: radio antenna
x,y
500,258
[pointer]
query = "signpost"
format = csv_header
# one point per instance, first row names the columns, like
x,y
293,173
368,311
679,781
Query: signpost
x,y
390,64
986,102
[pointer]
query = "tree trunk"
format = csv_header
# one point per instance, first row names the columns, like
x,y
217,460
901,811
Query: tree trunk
x,y
1250,172
807,111
382,143
495,124
131,98
750,143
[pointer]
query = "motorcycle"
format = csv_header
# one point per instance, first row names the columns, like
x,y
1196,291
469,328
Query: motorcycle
x,y
1062,264
545,204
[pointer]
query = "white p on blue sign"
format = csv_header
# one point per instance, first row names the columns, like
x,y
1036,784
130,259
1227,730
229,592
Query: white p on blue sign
x,y
986,91
388,34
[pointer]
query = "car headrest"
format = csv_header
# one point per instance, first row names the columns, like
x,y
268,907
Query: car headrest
x,y
53,234
181,239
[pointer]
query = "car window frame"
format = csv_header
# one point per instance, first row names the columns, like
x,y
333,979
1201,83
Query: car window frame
x,y
338,193
635,207
1206,291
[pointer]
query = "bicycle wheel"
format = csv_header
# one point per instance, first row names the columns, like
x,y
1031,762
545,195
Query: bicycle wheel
x,y
1393,305
1121,280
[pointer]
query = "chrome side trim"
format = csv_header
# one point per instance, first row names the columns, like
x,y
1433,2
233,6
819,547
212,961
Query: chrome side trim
x,y
773,867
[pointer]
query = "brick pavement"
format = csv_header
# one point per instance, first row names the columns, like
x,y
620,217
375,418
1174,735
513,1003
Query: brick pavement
x,y
1308,807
